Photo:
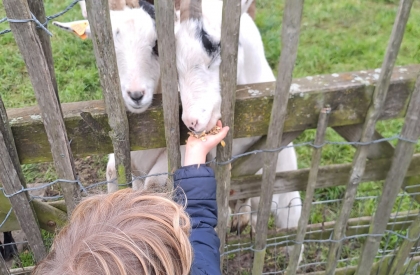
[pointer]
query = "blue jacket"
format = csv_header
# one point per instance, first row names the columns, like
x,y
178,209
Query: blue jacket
x,y
198,185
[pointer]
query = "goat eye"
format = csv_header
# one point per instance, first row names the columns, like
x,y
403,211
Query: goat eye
x,y
155,49
117,32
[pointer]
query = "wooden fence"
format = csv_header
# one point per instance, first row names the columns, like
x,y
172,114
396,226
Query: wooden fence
x,y
350,103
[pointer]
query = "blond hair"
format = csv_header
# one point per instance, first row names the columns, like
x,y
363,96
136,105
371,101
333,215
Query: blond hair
x,y
126,232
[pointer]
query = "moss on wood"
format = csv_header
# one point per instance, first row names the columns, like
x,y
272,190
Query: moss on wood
x,y
349,96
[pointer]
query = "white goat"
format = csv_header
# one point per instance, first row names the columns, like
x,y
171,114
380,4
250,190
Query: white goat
x,y
198,62
135,41
136,47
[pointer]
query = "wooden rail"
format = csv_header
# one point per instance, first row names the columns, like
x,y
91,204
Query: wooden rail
x,y
52,216
346,93
323,230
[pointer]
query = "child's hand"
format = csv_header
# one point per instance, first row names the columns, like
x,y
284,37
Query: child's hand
x,y
196,149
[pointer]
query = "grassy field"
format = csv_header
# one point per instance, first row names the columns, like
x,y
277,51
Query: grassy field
x,y
337,36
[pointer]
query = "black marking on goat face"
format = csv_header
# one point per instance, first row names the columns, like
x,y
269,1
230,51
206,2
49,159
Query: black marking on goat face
x,y
147,7
211,47
155,49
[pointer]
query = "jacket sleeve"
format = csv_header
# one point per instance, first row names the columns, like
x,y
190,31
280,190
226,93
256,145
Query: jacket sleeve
x,y
197,185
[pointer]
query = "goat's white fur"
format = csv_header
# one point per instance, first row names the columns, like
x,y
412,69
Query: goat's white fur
x,y
134,36
113,5
198,74
252,68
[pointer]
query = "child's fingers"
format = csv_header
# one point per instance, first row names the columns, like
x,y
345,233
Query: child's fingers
x,y
219,136
222,134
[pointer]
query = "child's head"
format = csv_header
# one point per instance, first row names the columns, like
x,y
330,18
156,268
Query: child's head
x,y
126,232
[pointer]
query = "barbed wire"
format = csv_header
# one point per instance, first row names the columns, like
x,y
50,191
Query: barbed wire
x,y
34,19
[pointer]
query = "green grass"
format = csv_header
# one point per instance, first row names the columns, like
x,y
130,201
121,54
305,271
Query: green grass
x,y
336,36
74,62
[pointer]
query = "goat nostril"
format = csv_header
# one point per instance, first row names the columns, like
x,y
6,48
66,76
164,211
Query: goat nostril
x,y
136,96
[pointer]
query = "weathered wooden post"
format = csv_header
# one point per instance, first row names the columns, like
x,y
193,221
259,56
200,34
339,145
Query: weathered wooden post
x,y
394,180
290,39
3,268
13,183
169,80
228,73
359,161
45,92
310,190
37,9
106,61
399,260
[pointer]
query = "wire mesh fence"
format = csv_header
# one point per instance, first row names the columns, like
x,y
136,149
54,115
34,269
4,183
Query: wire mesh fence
x,y
239,248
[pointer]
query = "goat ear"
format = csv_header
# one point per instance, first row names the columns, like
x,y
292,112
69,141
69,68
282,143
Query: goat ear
x,y
190,9
81,28
245,4
149,8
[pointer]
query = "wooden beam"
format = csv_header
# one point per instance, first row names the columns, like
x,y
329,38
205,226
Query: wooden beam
x,y
292,17
323,230
376,150
106,61
20,202
393,182
372,116
3,267
168,80
39,72
37,9
52,215
347,95
49,217
310,191
231,15
328,176
250,164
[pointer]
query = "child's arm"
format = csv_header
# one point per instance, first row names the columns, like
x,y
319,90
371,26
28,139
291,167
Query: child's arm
x,y
196,149
199,186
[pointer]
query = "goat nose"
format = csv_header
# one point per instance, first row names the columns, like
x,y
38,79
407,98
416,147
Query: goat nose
x,y
192,125
136,96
